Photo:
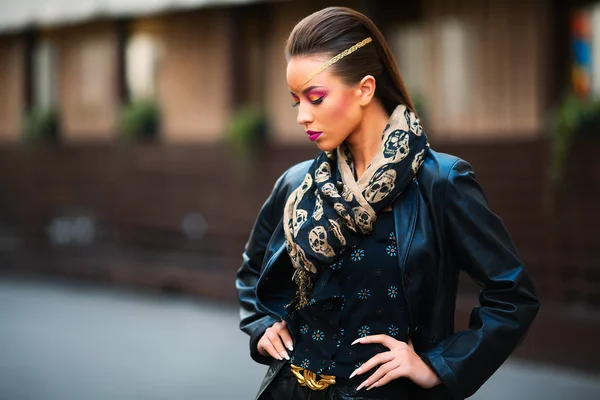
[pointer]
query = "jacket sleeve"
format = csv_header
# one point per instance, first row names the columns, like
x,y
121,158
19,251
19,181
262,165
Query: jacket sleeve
x,y
479,244
253,320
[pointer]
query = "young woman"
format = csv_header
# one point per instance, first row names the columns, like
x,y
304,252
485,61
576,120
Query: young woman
x,y
350,274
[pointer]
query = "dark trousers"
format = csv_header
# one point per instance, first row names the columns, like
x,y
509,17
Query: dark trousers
x,y
284,386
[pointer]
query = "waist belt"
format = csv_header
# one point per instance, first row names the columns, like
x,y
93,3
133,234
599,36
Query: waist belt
x,y
308,378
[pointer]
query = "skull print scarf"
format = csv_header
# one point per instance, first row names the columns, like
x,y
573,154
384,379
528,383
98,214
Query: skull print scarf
x,y
332,211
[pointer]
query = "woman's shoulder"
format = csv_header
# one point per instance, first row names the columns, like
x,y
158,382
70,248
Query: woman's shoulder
x,y
289,180
439,172
298,171
437,168
294,175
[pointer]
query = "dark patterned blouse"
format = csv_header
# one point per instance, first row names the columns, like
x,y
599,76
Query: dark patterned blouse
x,y
359,295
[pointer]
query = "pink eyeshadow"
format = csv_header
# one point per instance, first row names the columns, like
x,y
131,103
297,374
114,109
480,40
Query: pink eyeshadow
x,y
316,94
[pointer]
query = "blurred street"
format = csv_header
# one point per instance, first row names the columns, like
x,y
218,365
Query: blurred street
x,y
62,340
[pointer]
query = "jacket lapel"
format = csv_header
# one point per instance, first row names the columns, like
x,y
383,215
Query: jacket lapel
x,y
275,288
406,209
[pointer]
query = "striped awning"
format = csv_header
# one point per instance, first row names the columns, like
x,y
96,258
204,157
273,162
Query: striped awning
x,y
19,14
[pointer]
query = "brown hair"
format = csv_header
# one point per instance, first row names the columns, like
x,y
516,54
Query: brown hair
x,y
335,29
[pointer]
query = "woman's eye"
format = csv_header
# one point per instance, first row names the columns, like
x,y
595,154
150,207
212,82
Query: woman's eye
x,y
315,102
318,101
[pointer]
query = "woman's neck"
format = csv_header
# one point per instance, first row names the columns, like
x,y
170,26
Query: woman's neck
x,y
364,143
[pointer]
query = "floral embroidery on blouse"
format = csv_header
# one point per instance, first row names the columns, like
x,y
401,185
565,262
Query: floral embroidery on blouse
x,y
391,250
358,254
364,331
318,335
337,265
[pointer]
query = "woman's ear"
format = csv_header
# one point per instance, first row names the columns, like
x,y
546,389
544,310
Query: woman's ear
x,y
366,89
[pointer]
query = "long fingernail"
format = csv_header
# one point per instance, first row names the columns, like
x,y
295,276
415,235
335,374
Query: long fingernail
x,y
286,356
356,341
354,373
362,385
290,346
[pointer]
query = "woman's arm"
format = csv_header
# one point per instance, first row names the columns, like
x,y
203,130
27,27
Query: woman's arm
x,y
479,244
253,321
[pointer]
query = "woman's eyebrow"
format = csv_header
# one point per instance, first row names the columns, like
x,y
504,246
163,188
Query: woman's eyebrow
x,y
308,89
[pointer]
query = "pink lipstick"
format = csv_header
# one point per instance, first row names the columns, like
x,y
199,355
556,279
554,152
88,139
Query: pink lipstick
x,y
312,135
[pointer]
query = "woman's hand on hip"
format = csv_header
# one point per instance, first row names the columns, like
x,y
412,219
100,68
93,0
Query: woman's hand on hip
x,y
273,340
400,362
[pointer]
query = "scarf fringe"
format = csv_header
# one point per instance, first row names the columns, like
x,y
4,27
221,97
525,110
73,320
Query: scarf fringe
x,y
304,282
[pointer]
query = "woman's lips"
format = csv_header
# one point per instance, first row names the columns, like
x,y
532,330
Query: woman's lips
x,y
313,135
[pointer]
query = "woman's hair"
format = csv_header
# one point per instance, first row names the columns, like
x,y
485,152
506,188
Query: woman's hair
x,y
335,29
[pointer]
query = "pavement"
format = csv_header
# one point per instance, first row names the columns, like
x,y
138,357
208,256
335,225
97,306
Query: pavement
x,y
65,340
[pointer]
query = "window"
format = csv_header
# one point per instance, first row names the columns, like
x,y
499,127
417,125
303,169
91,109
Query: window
x,y
45,75
435,62
142,58
454,70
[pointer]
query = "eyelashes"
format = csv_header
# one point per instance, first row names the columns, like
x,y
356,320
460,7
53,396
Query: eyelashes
x,y
315,102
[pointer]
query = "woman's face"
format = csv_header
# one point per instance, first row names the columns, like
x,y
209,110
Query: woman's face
x,y
328,109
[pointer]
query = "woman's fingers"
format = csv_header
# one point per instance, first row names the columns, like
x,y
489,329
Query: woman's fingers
x,y
266,346
385,340
373,362
394,363
394,373
286,338
273,339
380,373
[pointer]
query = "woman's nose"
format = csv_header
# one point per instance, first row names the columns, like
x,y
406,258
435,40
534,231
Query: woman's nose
x,y
304,115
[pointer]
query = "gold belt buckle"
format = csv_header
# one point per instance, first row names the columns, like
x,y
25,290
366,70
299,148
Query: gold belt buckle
x,y
308,378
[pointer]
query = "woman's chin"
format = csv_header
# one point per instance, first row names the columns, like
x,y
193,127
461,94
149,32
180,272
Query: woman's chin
x,y
326,145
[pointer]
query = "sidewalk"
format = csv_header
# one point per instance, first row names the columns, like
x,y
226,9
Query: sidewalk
x,y
66,341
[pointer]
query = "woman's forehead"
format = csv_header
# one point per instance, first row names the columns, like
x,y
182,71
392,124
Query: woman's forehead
x,y
299,68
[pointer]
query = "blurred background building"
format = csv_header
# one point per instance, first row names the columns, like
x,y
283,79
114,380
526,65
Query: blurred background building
x,y
138,139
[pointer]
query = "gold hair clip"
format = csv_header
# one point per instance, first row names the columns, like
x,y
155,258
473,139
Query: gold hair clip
x,y
334,60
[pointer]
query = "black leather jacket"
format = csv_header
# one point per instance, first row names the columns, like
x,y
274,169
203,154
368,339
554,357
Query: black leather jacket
x,y
443,226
